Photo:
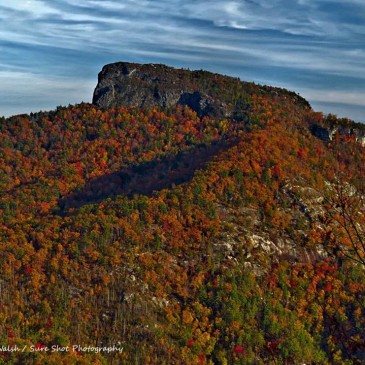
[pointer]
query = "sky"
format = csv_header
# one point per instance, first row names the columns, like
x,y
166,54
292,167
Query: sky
x,y
52,50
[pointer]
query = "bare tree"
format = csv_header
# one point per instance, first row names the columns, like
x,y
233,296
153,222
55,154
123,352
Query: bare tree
x,y
345,209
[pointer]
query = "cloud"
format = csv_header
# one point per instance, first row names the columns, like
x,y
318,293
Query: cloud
x,y
337,96
23,99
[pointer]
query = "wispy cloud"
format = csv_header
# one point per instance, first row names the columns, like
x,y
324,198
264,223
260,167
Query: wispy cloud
x,y
43,93
305,45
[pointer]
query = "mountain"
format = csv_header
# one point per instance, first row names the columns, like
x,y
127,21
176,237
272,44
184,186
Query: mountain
x,y
184,217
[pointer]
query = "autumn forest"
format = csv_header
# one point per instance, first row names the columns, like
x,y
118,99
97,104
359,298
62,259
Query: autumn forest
x,y
182,238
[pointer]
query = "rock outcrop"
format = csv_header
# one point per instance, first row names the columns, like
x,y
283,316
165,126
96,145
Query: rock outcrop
x,y
148,86
155,85
327,133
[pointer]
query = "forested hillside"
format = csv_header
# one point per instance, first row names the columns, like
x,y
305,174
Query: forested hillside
x,y
182,239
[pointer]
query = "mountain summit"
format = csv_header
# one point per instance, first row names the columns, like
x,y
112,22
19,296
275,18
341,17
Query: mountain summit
x,y
157,85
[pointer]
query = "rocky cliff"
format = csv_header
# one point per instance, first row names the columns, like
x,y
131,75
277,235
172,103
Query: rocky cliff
x,y
331,127
155,85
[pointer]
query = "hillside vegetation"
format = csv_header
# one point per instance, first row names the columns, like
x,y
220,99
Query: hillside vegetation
x,y
183,239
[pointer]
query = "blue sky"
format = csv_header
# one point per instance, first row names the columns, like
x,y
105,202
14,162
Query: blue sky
x,y
52,50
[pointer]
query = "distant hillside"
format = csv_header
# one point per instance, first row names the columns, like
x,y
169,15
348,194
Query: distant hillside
x,y
183,218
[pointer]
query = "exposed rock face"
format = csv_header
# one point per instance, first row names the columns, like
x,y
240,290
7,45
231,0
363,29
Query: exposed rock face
x,y
154,85
147,86
128,84
327,133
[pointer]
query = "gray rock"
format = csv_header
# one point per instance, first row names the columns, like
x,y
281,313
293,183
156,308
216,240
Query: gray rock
x,y
148,86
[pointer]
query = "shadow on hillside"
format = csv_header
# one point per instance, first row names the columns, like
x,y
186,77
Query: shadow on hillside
x,y
147,177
